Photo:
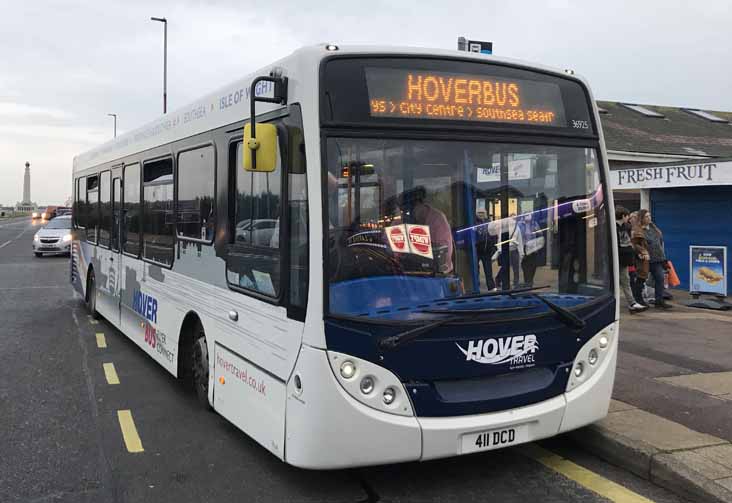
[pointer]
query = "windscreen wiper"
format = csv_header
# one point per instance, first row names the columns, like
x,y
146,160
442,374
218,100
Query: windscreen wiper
x,y
568,317
394,341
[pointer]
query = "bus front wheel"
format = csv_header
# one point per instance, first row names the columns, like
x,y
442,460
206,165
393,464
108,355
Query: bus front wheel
x,y
199,367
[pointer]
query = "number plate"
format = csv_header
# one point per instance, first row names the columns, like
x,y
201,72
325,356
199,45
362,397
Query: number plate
x,y
494,439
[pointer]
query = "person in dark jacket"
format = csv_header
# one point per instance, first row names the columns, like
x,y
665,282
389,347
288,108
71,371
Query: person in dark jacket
x,y
626,257
656,257
638,239
485,247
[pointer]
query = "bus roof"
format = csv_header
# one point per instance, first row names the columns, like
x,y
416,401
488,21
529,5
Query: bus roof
x,y
230,104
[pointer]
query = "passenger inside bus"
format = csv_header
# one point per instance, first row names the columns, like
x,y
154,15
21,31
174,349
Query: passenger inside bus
x,y
419,212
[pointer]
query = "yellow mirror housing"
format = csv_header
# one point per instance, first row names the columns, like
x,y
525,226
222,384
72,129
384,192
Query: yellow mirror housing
x,y
265,146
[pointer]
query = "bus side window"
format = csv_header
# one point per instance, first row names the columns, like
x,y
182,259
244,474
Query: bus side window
x,y
158,230
80,204
105,208
298,222
253,261
196,194
131,210
92,208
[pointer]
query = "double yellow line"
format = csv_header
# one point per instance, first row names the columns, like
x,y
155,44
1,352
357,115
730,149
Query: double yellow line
x,y
126,422
584,477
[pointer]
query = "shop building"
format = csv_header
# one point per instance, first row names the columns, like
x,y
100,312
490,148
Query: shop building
x,y
677,163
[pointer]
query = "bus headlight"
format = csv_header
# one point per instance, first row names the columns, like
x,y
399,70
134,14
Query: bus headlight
x,y
348,369
370,384
591,356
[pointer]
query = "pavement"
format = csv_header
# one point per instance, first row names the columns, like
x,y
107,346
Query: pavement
x,y
86,416
671,418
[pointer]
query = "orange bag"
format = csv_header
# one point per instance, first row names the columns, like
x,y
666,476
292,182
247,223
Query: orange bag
x,y
673,278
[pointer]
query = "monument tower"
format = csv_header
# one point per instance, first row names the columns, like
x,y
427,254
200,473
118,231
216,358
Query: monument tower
x,y
26,184
26,205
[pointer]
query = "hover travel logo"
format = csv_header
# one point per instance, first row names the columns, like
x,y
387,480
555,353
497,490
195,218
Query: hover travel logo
x,y
516,350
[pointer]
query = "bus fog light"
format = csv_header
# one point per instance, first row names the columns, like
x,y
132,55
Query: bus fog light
x,y
579,369
389,395
348,369
367,385
604,342
592,356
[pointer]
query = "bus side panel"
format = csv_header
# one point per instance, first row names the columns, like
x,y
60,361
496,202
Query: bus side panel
x,y
105,275
148,317
250,398
155,300
78,268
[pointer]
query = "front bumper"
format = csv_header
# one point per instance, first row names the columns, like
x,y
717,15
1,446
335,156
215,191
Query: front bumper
x,y
327,428
59,247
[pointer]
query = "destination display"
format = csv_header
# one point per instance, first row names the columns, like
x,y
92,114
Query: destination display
x,y
417,94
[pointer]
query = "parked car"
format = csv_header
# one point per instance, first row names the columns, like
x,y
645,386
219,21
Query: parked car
x,y
256,232
63,210
54,237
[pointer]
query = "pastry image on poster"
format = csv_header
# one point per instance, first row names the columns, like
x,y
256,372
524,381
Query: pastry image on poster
x,y
709,276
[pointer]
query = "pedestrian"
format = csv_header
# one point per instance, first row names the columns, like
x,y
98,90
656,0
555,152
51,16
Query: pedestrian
x,y
533,242
508,231
485,247
626,257
640,245
658,264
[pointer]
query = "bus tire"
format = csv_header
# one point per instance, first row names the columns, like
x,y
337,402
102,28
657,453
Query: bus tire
x,y
91,294
199,365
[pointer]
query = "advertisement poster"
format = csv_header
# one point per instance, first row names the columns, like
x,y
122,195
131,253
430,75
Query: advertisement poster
x,y
708,269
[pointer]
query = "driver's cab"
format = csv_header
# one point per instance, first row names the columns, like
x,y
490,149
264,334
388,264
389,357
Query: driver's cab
x,y
386,211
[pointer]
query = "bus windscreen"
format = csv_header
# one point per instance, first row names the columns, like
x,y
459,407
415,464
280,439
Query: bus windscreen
x,y
417,94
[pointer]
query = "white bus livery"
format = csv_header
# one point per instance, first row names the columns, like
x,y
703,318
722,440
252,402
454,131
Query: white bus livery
x,y
364,255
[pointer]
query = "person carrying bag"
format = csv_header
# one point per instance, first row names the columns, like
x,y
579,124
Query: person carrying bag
x,y
626,257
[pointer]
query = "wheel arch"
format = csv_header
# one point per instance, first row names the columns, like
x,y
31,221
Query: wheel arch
x,y
185,340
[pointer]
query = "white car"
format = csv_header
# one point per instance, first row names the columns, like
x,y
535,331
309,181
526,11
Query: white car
x,y
54,237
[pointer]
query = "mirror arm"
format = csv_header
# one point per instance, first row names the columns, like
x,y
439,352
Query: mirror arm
x,y
279,97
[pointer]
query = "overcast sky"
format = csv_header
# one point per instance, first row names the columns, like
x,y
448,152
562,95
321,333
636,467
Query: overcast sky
x,y
65,64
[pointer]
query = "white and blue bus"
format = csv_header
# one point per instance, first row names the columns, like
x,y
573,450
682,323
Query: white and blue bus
x,y
364,255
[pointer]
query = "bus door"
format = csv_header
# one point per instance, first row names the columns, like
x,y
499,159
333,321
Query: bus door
x,y
116,238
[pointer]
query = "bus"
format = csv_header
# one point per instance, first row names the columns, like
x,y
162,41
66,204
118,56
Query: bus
x,y
366,255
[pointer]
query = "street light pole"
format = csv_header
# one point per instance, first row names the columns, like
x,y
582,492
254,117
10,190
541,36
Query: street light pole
x,y
115,123
165,60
